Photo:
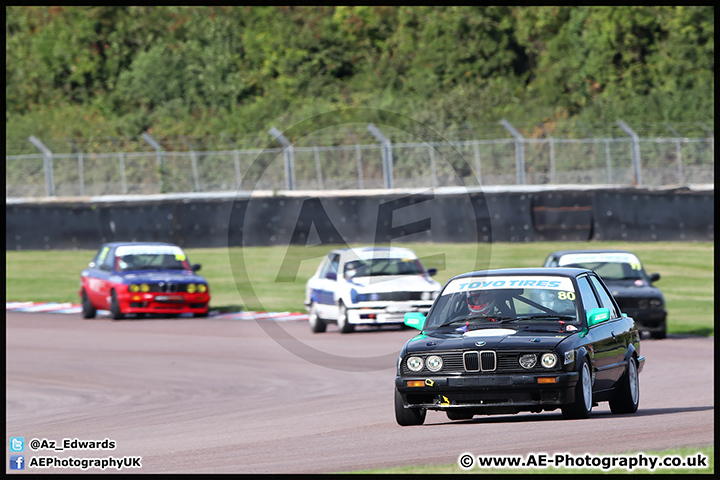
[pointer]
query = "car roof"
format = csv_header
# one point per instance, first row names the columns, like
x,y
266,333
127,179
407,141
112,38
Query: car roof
x,y
359,250
560,253
530,271
123,244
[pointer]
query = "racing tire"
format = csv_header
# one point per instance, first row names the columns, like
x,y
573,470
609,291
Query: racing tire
x,y
342,320
406,417
88,311
627,396
660,333
317,324
115,311
459,415
582,406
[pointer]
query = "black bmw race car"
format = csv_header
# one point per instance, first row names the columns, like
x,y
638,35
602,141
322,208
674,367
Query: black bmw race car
x,y
511,340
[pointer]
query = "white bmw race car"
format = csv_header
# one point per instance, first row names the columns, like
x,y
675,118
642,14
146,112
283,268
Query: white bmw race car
x,y
368,286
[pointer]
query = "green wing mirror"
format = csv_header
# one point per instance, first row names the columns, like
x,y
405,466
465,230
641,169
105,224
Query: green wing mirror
x,y
415,320
597,315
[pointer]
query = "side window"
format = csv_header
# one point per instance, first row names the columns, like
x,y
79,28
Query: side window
x,y
551,262
107,263
605,298
100,256
330,266
588,296
335,264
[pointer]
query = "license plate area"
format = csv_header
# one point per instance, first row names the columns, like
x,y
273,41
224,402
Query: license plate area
x,y
170,298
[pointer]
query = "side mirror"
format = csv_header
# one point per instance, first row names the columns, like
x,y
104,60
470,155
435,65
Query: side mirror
x,y
196,267
432,271
415,320
331,276
654,277
91,264
597,315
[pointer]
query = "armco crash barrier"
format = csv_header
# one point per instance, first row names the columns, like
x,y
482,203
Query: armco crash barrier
x,y
508,214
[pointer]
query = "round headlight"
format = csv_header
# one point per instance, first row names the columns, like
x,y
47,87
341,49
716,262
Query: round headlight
x,y
145,287
528,360
548,360
202,288
134,288
434,363
191,288
415,364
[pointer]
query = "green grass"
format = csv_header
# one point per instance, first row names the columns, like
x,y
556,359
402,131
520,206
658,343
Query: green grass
x,y
685,452
273,278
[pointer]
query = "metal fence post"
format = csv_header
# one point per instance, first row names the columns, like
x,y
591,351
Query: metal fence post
x,y
678,152
289,158
238,173
159,151
193,163
477,162
519,152
358,155
81,169
318,170
433,170
47,160
387,154
635,151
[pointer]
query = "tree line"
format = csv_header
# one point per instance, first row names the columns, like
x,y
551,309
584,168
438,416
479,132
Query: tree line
x,y
79,72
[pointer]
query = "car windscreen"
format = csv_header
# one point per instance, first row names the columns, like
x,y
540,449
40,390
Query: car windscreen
x,y
610,266
151,258
479,300
375,267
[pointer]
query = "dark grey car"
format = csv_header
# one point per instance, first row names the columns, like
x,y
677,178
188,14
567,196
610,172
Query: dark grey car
x,y
623,273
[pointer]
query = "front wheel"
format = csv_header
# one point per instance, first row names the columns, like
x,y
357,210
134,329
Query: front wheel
x,y
406,417
115,311
88,311
317,324
342,320
627,396
582,406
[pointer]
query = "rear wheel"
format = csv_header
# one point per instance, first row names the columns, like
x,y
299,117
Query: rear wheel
x,y
408,416
317,324
627,396
342,320
660,333
88,311
582,406
115,311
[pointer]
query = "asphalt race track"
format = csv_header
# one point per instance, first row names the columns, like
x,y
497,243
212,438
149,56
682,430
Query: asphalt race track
x,y
219,395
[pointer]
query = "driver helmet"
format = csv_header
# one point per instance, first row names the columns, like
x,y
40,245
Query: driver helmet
x,y
480,301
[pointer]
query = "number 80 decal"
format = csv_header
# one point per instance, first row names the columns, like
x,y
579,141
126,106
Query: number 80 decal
x,y
566,295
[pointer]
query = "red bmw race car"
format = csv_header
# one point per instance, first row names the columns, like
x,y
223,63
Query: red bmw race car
x,y
143,278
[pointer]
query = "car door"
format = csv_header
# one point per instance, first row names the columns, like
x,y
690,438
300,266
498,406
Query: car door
x,y
324,290
619,329
96,277
601,341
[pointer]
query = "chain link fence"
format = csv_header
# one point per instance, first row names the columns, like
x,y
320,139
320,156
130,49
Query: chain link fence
x,y
610,160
